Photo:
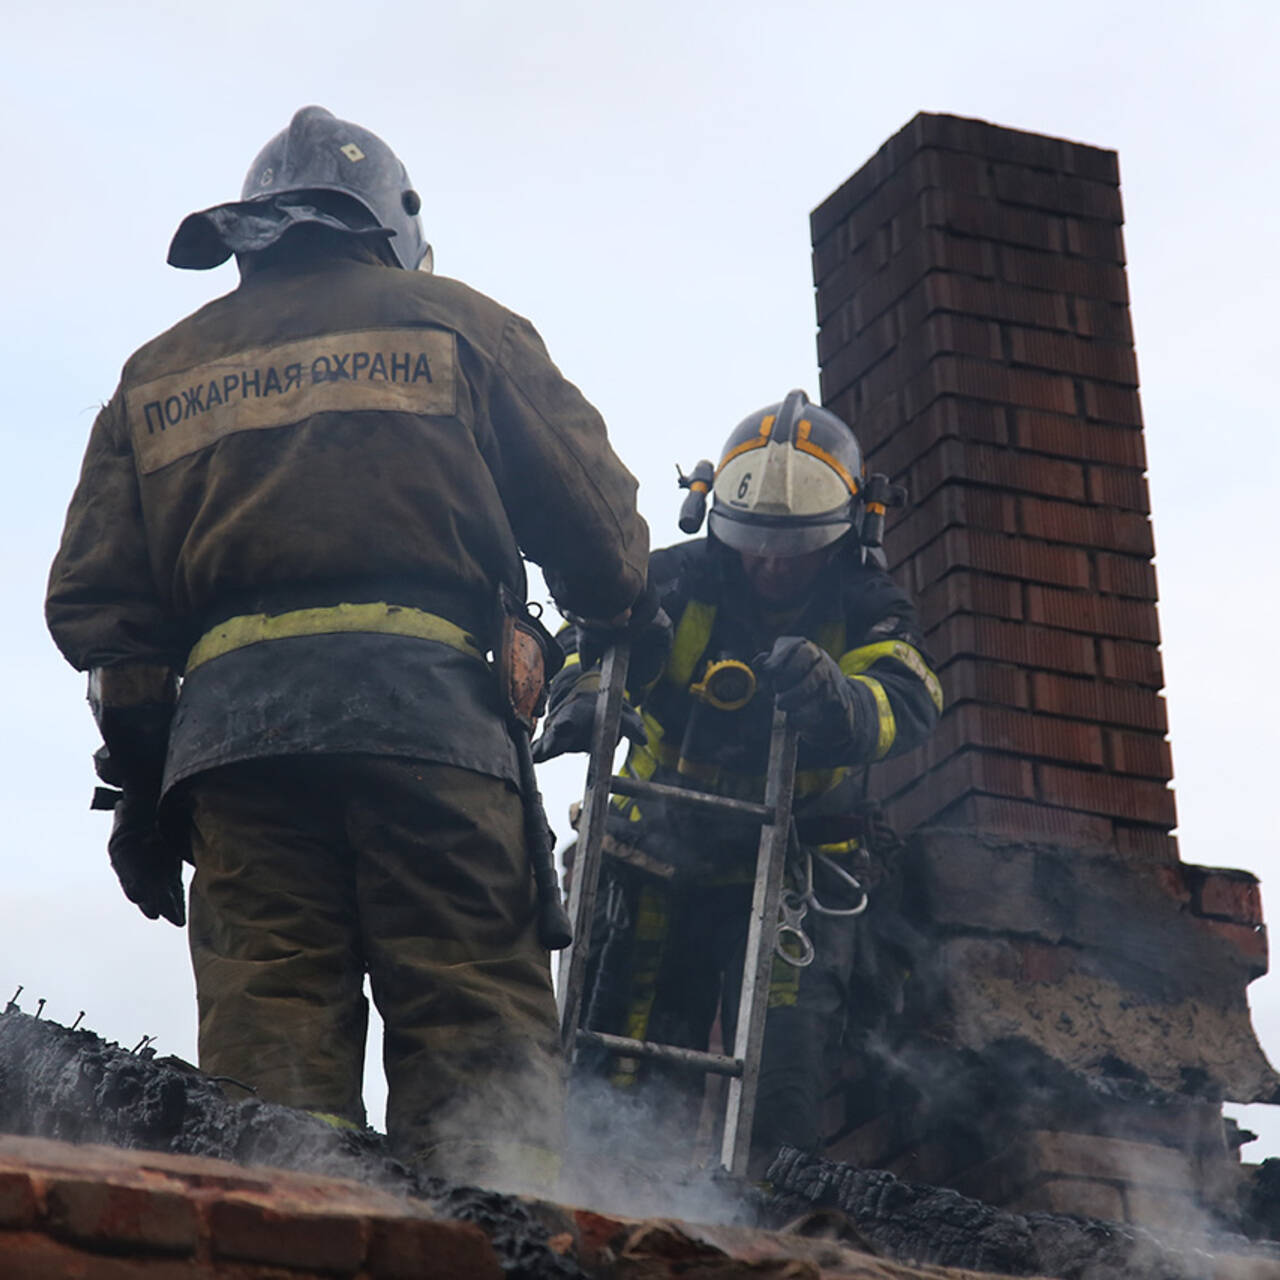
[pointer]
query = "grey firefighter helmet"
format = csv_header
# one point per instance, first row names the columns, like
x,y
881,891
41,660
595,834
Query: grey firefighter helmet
x,y
788,481
320,170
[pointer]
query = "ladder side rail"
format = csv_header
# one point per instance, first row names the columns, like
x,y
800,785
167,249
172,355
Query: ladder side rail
x,y
762,935
595,808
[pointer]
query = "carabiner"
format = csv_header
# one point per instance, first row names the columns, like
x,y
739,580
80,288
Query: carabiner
x,y
793,908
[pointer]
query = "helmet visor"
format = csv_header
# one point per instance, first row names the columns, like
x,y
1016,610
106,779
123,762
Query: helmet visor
x,y
759,535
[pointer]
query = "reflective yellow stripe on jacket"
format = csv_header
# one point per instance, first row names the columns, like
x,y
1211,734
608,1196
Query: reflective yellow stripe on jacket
x,y
858,661
377,618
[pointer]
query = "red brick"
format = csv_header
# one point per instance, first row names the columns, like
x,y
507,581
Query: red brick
x,y
1058,192
1108,362
1097,163
1086,611
868,183
1099,701
966,592
1090,239
1011,557
929,795
1101,527
1171,879
1061,274
989,299
252,1232
1144,754
111,1216
955,460
932,251
1072,437
1133,576
977,725
834,240
1000,641
408,1248
871,290
1133,663
952,505
1104,403
972,421
1042,961
916,346
26,1255
1118,487
962,133
855,354
1107,321
844,280
937,150
981,380
1129,798
1249,941
969,679
1147,844
996,142
1023,734
1230,896
976,216
1019,818
19,1199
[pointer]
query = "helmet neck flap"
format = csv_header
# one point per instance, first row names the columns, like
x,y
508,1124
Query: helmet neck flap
x,y
322,171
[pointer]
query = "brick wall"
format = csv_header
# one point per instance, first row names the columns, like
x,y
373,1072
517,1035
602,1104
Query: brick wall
x,y
974,328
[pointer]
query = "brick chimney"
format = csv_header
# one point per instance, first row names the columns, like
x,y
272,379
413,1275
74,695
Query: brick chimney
x,y
974,327
1052,1006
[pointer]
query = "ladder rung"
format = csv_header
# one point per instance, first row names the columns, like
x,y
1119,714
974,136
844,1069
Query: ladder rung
x,y
699,799
712,1063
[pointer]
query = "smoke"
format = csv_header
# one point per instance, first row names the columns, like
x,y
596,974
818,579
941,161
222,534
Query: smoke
x,y
650,1150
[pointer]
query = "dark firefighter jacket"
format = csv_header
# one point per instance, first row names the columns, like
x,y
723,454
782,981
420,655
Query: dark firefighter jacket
x,y
855,612
305,495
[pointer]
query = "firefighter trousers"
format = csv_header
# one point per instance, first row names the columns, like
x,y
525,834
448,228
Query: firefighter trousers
x,y
312,872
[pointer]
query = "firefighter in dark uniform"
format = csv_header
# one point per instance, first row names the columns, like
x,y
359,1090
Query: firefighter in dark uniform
x,y
784,598
299,507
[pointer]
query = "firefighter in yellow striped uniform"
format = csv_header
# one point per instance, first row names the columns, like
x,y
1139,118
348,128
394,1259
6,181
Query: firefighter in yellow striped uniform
x,y
784,597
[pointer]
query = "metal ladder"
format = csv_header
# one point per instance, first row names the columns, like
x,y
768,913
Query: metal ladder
x,y
774,815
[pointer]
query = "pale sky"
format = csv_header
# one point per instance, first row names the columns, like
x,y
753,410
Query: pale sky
x,y
636,179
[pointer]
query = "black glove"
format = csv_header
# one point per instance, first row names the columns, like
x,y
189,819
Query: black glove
x,y
146,862
568,727
648,629
811,689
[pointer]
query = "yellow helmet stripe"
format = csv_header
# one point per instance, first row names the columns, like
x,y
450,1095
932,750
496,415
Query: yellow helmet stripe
x,y
757,442
805,445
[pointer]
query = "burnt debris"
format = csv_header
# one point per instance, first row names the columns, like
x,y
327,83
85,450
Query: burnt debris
x,y
921,1224
71,1085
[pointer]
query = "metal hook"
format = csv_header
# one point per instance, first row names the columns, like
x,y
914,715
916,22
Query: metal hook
x,y
793,908
852,881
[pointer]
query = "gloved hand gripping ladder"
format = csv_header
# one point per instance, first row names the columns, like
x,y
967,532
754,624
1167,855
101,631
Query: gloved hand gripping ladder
x,y
774,815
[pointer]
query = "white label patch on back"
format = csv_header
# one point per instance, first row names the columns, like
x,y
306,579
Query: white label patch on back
x,y
392,370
